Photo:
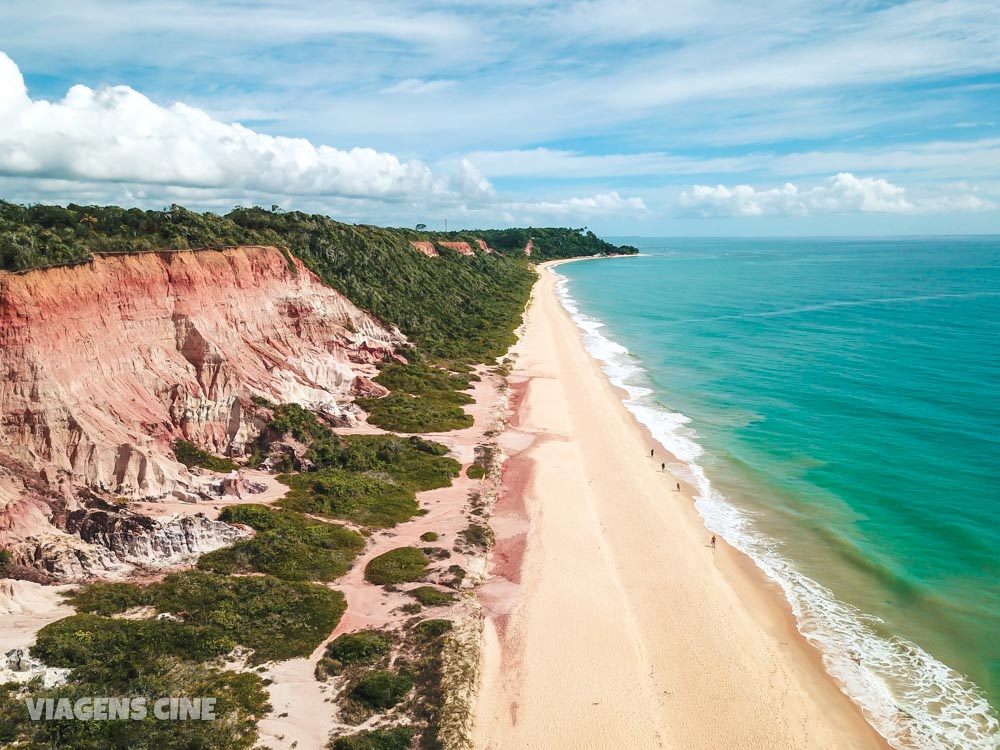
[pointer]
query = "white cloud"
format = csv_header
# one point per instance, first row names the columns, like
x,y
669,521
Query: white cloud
x,y
842,194
602,204
116,134
418,86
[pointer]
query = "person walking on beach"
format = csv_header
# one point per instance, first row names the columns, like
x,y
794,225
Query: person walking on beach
x,y
713,541
678,486
663,467
650,452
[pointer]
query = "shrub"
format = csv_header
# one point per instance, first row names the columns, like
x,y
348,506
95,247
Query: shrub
x,y
478,535
361,499
363,647
429,536
396,738
113,651
475,471
288,545
430,596
430,629
191,455
400,565
300,423
414,462
381,689
276,619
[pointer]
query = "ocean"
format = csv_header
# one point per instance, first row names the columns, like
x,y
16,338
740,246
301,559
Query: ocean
x,y
835,403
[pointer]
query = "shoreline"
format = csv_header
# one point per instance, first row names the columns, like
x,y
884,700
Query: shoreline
x,y
583,649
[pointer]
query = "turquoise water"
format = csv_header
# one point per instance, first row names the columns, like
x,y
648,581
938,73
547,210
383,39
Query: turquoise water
x,y
836,403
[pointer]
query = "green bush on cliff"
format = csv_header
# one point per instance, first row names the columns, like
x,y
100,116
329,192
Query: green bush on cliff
x,y
300,423
191,455
401,565
287,545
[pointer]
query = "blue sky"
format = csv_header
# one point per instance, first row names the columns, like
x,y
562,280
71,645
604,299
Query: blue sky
x,y
628,116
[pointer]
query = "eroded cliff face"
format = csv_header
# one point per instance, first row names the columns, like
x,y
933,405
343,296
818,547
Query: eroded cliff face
x,y
105,364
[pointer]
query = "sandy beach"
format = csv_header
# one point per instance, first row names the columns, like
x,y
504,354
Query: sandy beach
x,y
611,621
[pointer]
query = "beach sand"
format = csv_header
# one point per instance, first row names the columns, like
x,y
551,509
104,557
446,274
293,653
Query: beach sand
x,y
611,622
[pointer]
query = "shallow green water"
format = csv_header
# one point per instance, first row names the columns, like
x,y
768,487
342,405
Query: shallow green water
x,y
844,407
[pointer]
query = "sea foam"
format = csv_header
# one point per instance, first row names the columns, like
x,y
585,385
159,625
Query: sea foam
x,y
911,698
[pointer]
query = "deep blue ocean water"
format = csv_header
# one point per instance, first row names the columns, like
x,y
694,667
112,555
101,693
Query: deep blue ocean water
x,y
837,405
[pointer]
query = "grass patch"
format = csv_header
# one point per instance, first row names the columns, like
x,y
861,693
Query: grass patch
x,y
191,455
370,480
400,565
475,471
276,619
359,498
423,398
429,536
288,545
396,738
430,596
381,689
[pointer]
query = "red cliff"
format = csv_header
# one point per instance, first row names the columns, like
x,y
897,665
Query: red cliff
x,y
105,364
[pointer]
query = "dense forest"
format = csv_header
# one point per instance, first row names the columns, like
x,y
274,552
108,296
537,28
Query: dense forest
x,y
452,306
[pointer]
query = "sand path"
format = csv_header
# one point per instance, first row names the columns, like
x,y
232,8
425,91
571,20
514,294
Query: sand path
x,y
623,628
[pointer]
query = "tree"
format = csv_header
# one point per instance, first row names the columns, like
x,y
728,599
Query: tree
x,y
421,227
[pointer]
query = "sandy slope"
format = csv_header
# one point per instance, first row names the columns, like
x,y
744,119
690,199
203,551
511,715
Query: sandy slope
x,y
622,628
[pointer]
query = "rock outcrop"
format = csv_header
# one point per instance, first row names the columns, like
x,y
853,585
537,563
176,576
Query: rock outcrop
x,y
105,364
461,247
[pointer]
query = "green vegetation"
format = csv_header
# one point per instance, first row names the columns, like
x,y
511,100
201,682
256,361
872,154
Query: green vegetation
x,y
381,689
6,558
276,619
361,499
191,455
396,738
363,647
429,536
475,471
401,565
137,658
288,545
423,398
370,480
430,629
478,535
453,306
430,596
550,243
114,650
300,423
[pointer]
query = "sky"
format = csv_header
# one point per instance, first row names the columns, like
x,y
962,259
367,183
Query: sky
x,y
630,117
